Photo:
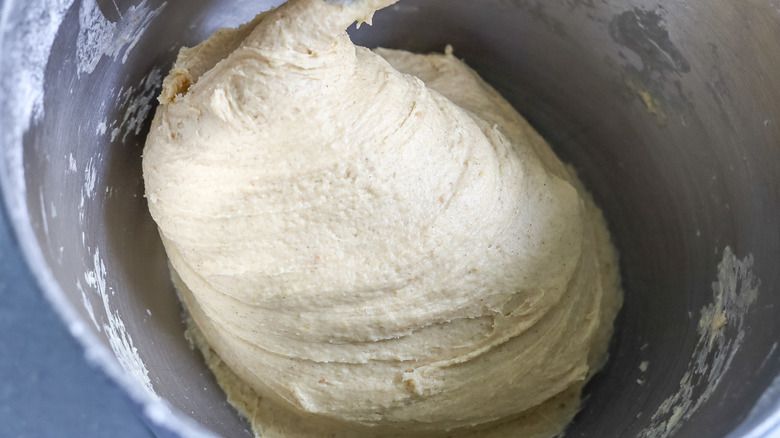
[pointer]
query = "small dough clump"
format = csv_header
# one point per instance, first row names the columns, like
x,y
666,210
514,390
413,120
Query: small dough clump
x,y
374,243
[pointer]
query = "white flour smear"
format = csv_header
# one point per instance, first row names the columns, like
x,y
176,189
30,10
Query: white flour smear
x,y
26,46
100,37
721,332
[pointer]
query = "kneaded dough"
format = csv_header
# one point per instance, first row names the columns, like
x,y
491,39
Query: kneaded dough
x,y
374,242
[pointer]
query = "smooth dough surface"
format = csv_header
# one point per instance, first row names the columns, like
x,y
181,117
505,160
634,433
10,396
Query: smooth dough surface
x,y
374,242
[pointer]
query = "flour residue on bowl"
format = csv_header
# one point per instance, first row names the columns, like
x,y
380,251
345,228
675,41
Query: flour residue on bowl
x,y
88,190
114,328
23,87
137,103
721,332
100,37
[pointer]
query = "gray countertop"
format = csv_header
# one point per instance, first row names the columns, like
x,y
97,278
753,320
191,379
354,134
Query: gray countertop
x,y
47,388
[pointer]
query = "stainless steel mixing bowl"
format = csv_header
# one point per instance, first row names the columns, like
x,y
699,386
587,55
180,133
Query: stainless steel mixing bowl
x,y
669,110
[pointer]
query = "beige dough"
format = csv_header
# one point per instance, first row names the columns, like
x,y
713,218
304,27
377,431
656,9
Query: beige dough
x,y
374,243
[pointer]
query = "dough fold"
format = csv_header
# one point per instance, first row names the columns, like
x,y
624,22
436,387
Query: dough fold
x,y
376,239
